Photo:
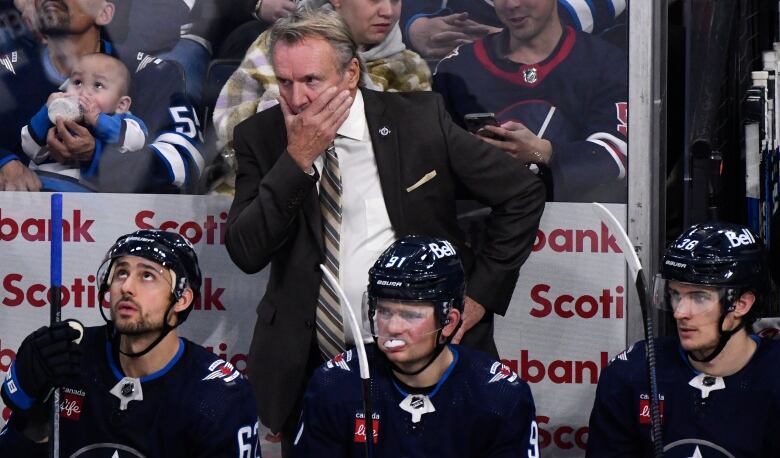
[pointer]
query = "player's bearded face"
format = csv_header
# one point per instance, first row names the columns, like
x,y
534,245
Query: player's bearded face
x,y
140,292
406,332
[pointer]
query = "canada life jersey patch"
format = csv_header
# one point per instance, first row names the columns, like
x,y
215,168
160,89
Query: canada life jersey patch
x,y
360,427
72,403
644,408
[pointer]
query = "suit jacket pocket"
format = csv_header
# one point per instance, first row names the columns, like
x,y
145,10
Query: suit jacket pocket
x,y
425,178
266,312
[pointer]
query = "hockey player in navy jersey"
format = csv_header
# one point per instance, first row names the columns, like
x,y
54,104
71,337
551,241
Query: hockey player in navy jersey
x,y
718,385
430,398
131,388
558,94
170,162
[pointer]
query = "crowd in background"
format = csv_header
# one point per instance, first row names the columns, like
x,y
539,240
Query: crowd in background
x,y
199,68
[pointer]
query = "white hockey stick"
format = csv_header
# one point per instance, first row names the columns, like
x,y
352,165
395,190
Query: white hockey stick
x,y
365,375
638,277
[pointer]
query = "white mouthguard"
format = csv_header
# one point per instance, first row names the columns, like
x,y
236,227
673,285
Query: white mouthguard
x,y
393,343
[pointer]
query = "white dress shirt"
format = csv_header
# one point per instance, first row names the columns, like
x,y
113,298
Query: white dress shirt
x,y
365,226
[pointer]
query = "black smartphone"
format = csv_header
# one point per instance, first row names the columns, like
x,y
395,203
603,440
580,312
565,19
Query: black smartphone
x,y
476,122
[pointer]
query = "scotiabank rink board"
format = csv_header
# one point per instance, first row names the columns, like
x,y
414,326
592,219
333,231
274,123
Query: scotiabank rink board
x,y
565,321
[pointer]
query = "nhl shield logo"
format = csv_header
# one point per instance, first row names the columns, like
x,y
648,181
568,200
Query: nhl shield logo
x,y
530,75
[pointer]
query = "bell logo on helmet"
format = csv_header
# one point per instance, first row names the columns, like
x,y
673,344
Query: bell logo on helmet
x,y
442,250
745,238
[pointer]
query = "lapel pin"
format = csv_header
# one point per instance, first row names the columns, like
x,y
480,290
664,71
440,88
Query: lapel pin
x,y
384,131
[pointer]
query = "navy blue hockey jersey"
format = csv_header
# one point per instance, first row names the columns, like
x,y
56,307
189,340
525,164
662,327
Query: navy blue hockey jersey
x,y
576,99
171,162
482,409
196,406
739,419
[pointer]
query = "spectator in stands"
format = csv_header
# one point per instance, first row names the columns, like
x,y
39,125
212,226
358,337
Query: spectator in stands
x,y
389,65
72,28
435,27
97,98
559,95
170,29
249,18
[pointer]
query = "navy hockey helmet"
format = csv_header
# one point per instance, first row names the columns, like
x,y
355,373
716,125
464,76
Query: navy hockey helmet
x,y
168,249
419,268
725,256
722,255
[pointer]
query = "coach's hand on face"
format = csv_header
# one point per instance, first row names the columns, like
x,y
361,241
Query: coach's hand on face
x,y
312,129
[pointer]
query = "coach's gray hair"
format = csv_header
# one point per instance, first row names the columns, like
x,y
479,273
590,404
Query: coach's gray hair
x,y
310,23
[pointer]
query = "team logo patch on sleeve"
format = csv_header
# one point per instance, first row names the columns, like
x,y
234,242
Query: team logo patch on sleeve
x,y
8,61
501,371
623,356
221,369
341,361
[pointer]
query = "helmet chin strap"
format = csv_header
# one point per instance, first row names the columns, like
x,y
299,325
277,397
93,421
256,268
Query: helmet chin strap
x,y
115,334
436,352
722,340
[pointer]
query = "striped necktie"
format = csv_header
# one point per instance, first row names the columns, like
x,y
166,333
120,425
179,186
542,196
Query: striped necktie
x,y
330,325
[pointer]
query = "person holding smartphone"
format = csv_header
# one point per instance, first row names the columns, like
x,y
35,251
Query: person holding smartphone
x,y
559,96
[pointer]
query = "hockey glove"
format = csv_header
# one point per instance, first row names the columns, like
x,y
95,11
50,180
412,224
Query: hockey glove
x,y
47,358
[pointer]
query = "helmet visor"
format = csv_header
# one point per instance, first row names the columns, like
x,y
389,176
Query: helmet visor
x,y
146,273
396,322
676,296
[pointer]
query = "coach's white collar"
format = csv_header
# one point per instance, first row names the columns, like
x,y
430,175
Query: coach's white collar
x,y
355,127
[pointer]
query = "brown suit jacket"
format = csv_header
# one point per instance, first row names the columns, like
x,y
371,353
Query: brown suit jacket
x,y
275,218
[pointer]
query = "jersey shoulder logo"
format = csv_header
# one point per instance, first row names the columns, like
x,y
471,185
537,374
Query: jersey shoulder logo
x,y
340,361
500,372
146,59
8,61
623,355
221,369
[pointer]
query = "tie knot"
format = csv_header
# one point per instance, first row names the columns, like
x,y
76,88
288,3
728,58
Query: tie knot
x,y
330,153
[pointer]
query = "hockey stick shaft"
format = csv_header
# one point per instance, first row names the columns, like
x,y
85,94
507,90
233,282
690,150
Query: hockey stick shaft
x,y
365,375
640,282
55,277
